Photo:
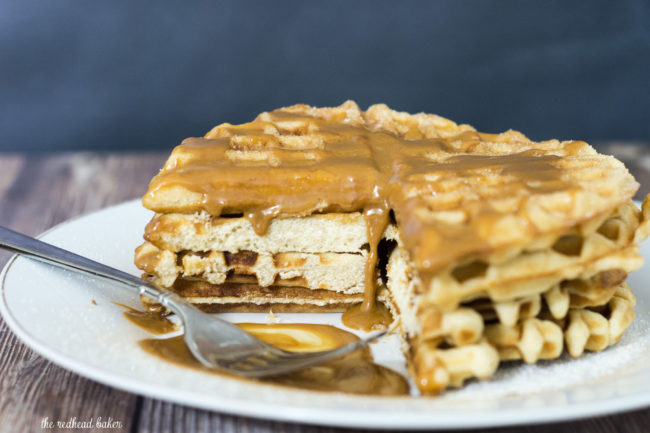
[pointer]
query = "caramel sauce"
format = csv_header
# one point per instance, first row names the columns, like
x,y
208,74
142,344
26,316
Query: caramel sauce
x,y
354,373
153,320
345,165
148,261
369,314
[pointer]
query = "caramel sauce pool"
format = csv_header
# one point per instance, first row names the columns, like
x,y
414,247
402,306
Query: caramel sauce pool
x,y
355,373
153,320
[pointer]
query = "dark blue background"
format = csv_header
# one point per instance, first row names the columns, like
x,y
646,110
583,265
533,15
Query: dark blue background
x,y
135,75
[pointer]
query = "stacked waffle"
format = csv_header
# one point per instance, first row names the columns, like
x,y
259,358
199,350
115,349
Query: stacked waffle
x,y
308,264
568,292
265,215
490,247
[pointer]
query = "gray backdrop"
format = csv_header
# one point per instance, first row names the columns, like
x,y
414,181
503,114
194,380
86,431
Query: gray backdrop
x,y
133,75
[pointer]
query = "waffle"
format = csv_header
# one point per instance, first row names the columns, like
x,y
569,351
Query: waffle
x,y
484,247
346,233
577,314
243,294
340,272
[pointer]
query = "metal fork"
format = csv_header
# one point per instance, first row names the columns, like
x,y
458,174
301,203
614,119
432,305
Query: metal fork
x,y
216,343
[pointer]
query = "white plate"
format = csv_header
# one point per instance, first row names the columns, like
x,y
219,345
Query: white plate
x,y
51,310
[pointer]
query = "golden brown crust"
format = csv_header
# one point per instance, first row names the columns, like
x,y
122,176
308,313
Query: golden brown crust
x,y
189,288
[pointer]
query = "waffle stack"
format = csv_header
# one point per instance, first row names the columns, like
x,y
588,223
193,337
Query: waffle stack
x,y
268,215
485,247
564,294
300,264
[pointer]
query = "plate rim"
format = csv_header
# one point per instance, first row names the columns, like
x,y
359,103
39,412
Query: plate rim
x,y
447,419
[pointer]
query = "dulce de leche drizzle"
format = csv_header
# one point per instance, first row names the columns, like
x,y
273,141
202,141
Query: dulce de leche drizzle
x,y
436,244
153,320
369,314
296,162
354,373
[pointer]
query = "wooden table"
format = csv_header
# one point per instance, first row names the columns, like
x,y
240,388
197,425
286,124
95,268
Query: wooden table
x,y
38,191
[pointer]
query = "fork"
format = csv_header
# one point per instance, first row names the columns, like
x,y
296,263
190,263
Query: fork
x,y
215,342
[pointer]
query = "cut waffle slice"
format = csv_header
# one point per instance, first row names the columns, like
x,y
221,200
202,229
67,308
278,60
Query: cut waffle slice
x,y
299,148
319,233
243,294
340,272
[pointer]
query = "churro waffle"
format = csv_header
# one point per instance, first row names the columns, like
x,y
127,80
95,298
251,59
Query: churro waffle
x,y
340,272
491,247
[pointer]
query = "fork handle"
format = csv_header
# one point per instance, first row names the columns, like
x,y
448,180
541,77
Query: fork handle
x,y
26,245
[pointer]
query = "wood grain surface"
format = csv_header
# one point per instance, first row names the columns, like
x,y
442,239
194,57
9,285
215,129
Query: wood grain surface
x,y
40,190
